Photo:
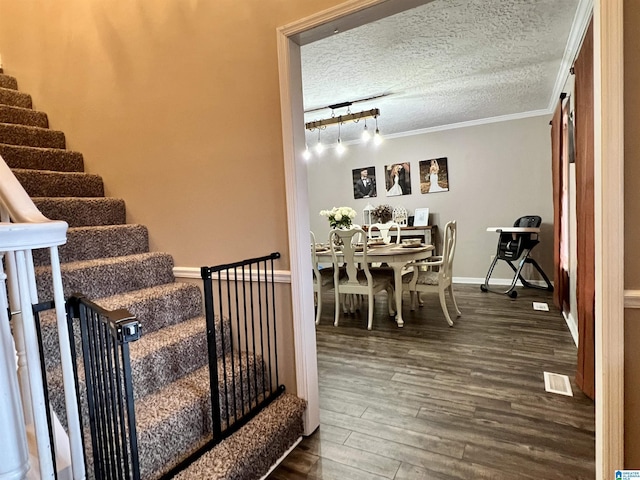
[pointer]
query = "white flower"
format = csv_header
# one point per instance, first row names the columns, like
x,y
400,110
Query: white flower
x,y
339,216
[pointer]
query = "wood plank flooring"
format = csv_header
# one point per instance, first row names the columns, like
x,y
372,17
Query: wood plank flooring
x,y
430,401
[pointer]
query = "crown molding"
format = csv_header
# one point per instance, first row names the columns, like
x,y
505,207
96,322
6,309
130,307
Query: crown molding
x,y
576,35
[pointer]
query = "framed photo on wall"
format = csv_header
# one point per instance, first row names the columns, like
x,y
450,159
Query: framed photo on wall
x,y
398,179
364,182
421,217
434,175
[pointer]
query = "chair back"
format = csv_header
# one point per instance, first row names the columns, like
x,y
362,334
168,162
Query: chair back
x,y
348,253
528,221
526,240
385,230
448,250
314,261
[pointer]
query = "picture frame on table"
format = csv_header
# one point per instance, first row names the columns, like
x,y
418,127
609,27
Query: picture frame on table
x,y
421,217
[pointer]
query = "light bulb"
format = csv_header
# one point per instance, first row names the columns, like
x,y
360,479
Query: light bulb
x,y
307,153
377,138
319,146
340,148
365,134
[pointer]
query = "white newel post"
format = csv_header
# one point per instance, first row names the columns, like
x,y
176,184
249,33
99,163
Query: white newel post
x,y
17,242
14,454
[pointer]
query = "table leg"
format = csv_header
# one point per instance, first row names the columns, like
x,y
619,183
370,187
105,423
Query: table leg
x,y
397,276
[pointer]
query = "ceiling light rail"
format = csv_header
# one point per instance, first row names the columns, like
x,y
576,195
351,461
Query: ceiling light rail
x,y
350,117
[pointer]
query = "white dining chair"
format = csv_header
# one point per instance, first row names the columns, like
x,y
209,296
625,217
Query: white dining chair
x,y
322,278
435,274
384,230
358,278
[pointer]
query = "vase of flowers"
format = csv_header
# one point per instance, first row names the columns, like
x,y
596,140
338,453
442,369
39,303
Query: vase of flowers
x,y
384,213
339,217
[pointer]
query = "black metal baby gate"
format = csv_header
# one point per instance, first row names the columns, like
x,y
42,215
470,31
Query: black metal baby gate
x,y
106,370
240,312
241,334
102,374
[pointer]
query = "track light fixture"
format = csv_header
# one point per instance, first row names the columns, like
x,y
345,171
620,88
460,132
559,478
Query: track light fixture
x,y
340,119
349,117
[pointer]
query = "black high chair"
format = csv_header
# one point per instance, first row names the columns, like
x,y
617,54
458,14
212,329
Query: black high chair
x,y
514,245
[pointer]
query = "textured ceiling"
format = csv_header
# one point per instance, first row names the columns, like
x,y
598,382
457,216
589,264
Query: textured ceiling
x,y
442,63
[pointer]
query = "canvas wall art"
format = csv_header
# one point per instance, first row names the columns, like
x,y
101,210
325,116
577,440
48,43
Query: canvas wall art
x,y
364,182
398,179
434,175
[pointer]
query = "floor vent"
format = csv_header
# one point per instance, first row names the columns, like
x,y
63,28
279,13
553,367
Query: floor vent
x,y
556,383
542,306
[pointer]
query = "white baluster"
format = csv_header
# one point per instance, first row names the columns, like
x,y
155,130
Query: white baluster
x,y
18,336
38,406
73,417
14,454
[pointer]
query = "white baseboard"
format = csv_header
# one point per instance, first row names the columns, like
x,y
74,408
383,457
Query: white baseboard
x,y
496,281
279,276
632,299
477,281
573,326
279,461
284,276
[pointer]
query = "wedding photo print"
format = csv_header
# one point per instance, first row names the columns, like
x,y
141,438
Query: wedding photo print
x,y
398,179
434,175
364,182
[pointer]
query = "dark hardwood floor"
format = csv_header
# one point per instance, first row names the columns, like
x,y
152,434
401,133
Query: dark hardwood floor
x,y
430,401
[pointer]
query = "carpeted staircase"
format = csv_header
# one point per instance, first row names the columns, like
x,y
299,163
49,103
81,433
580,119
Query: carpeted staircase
x,y
109,261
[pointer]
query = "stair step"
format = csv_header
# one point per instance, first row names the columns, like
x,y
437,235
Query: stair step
x,y
109,276
83,212
155,308
18,156
176,420
157,359
23,116
46,183
7,81
86,243
252,450
11,97
159,306
166,355
31,136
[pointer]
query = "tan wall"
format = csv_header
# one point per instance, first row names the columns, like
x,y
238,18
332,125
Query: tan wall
x,y
632,229
176,104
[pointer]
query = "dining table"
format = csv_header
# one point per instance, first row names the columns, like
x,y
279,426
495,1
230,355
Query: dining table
x,y
397,256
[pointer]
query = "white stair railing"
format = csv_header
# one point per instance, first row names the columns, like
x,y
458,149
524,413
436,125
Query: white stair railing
x,y
22,403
